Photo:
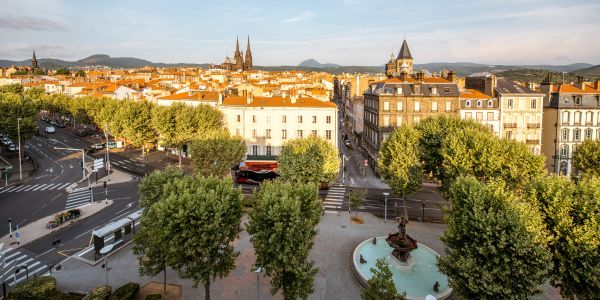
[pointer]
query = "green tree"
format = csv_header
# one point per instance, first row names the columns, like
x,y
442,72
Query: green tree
x,y
215,153
586,158
309,160
496,245
195,227
283,227
381,286
571,213
356,199
399,162
12,107
14,88
163,122
152,187
135,116
62,71
80,73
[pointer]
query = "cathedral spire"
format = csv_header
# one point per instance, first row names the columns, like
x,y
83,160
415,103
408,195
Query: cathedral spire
x,y
237,46
404,51
34,62
248,58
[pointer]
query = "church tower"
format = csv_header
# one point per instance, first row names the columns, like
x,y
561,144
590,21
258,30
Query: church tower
x,y
34,62
248,60
404,61
237,57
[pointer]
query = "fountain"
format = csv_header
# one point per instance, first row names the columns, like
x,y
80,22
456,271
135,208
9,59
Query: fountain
x,y
413,265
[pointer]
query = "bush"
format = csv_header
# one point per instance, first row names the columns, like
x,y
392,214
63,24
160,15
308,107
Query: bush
x,y
126,292
154,297
37,288
99,293
248,201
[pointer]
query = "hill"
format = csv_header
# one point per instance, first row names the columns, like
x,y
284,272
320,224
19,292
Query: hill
x,y
313,63
538,75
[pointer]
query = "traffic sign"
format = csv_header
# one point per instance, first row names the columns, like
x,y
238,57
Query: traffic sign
x,y
98,164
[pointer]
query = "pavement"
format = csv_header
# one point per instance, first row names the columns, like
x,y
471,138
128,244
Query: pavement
x,y
28,168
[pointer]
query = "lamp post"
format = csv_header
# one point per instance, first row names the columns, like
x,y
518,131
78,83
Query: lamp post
x,y
19,143
385,195
256,269
104,251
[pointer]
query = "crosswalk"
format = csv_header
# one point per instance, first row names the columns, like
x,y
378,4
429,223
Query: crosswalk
x,y
78,198
18,259
40,187
125,162
334,199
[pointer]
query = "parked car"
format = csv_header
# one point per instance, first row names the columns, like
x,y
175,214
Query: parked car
x,y
61,125
12,148
53,122
348,144
6,141
98,146
81,132
50,129
44,119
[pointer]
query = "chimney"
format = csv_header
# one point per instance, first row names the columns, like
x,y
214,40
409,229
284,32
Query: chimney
x,y
250,99
220,99
451,76
580,82
597,85
403,75
293,99
420,76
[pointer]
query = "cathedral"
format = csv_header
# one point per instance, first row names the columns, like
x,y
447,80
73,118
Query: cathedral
x,y
239,61
400,64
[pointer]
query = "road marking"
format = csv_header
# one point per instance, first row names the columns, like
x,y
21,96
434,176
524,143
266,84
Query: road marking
x,y
39,187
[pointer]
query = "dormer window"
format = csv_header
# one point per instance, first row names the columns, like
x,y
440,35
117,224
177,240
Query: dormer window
x,y
577,100
434,90
490,103
417,89
373,87
399,90
468,103
479,103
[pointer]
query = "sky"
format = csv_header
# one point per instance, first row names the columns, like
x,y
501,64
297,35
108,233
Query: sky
x,y
285,32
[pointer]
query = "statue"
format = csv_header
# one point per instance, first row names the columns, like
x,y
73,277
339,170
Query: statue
x,y
401,242
436,287
362,260
375,241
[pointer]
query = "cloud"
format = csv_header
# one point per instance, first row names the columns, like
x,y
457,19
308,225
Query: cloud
x,y
304,16
22,23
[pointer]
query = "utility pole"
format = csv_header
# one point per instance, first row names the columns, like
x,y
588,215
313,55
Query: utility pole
x,y
385,195
19,143
107,156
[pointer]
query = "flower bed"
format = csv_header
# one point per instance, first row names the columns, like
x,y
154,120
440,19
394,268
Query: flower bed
x,y
63,217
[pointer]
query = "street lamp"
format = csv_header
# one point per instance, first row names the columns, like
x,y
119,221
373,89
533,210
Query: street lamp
x,y
104,251
256,269
19,143
385,195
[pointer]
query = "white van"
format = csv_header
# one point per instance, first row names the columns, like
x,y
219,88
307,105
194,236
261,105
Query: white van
x,y
50,129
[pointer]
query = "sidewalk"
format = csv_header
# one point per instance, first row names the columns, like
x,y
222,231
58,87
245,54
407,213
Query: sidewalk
x,y
13,175
37,229
369,180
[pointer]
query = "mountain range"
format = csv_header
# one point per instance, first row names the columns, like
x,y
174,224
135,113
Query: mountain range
x,y
524,72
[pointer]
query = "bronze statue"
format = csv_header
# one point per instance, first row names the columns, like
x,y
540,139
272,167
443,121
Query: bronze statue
x,y
362,260
436,287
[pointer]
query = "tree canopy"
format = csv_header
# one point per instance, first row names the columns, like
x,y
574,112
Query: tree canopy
x,y
399,162
586,158
215,153
381,286
309,160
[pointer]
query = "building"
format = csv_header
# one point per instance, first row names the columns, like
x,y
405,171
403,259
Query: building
x,y
34,62
238,62
475,105
520,113
266,123
571,116
402,63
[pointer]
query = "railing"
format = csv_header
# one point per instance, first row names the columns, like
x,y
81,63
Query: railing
x,y
533,125
510,125
532,142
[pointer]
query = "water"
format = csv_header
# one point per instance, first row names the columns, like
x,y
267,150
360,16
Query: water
x,y
416,282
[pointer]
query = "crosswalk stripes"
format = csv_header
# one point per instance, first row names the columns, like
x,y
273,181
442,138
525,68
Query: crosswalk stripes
x,y
78,198
18,259
334,199
35,187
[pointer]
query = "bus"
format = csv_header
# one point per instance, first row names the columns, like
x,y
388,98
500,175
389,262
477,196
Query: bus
x,y
254,177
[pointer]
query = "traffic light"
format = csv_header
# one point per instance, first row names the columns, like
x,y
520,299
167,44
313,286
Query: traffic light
x,y
104,184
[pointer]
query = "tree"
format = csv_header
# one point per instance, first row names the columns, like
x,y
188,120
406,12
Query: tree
x,y
152,187
195,226
496,244
381,286
62,71
12,107
283,227
215,153
14,88
309,160
571,214
587,158
136,128
356,199
399,162
80,73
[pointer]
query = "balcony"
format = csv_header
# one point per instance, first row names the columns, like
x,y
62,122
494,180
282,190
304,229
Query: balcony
x,y
510,125
533,125
532,142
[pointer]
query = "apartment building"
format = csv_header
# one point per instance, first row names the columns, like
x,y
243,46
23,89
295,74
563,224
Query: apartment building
x,y
475,105
571,116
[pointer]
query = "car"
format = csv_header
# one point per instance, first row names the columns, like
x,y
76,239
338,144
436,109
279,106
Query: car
x,y
98,146
50,129
44,119
6,141
81,132
12,147
53,122
348,144
61,125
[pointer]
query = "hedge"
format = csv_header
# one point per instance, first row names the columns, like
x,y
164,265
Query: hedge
x,y
36,288
99,293
154,297
126,292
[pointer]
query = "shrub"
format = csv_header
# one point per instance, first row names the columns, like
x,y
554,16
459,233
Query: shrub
x,y
154,297
248,201
126,292
99,293
37,288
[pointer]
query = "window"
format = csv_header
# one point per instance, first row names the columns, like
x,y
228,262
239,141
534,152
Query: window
x,y
448,106
479,103
239,118
479,116
417,89
253,119
577,117
490,116
268,133
416,119
577,100
300,119
237,131
398,120
399,90
269,151
299,134
386,121
314,119
434,90
589,134
434,106
254,149
399,106
468,115
509,103
490,103
328,134
468,103
576,135
417,106
268,119
564,151
283,119
314,133
533,103
589,118
565,117
254,133
328,119
386,105
508,135
598,134
284,134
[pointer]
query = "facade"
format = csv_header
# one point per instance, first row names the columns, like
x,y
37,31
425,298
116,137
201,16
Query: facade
x,y
266,123
238,62
571,116
520,113
475,105
406,100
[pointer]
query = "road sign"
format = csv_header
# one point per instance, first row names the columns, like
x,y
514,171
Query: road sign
x,y
366,163
98,164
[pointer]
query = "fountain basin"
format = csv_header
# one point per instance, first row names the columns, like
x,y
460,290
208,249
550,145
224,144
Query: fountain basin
x,y
416,278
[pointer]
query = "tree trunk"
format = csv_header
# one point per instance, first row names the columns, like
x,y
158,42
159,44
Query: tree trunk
x,y
165,280
405,210
180,150
143,150
207,290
